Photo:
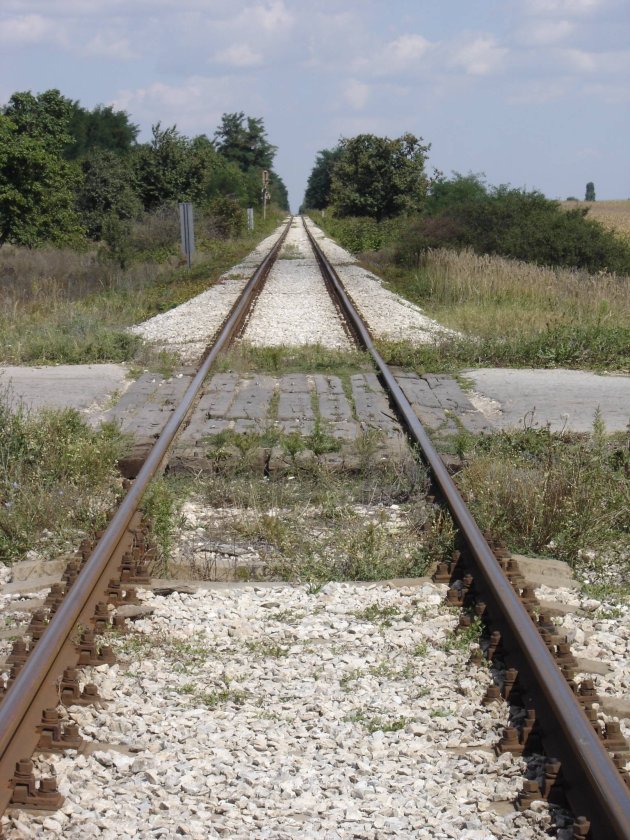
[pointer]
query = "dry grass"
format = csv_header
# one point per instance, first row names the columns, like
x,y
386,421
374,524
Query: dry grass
x,y
612,214
64,306
489,295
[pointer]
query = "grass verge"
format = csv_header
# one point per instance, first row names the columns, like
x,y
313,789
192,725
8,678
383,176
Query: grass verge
x,y
557,494
57,477
510,312
60,306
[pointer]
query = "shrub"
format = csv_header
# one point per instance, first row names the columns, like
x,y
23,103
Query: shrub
x,y
510,222
223,217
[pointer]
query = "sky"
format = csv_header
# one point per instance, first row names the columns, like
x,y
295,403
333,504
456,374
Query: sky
x,y
535,93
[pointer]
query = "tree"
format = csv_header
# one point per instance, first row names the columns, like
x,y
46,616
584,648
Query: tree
x,y
36,184
106,191
244,141
590,192
36,190
460,189
101,128
379,177
318,186
45,117
162,168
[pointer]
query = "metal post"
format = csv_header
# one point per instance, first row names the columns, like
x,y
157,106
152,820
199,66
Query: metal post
x,y
265,191
187,230
250,218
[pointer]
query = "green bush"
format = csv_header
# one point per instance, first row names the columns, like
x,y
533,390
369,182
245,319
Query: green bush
x,y
223,217
510,222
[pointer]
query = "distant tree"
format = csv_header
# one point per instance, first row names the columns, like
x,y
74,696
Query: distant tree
x,y
162,168
590,192
460,189
244,141
278,191
379,177
101,128
318,186
106,190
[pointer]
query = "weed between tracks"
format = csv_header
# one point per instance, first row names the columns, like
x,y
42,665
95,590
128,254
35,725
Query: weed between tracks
x,y
309,358
313,526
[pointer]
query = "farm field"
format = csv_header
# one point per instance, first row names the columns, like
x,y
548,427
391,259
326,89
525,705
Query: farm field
x,y
613,214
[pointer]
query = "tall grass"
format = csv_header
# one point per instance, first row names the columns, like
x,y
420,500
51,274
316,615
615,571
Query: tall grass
x,y
59,305
512,312
465,284
56,475
559,494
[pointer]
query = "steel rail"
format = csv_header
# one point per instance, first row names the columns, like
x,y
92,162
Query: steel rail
x,y
609,807
15,706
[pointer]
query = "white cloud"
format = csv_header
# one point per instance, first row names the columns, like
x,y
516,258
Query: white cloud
x,y
539,92
607,63
407,48
570,8
544,32
272,17
356,94
29,29
109,46
195,105
239,55
479,56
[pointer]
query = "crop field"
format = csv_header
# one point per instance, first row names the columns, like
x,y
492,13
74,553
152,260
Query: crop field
x,y
612,214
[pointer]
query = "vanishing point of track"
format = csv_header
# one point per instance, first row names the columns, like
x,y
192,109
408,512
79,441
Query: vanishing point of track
x,y
487,586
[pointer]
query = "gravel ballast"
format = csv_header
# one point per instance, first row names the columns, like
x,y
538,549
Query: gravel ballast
x,y
294,307
188,329
388,315
280,712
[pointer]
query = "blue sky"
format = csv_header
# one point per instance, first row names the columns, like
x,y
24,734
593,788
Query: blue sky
x,y
531,92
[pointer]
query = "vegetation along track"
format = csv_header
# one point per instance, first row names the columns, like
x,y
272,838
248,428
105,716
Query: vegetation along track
x,y
483,584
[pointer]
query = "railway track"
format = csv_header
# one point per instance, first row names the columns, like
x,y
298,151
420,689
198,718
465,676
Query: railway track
x,y
483,582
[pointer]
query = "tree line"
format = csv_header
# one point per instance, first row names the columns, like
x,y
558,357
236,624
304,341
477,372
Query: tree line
x,y
380,187
69,174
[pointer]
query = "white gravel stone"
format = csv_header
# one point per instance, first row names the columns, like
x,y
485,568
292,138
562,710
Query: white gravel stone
x,y
189,328
295,308
327,721
387,314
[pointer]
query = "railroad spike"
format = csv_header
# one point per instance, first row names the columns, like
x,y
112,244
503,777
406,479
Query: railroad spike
x,y
531,792
57,736
492,695
581,828
509,680
552,771
19,652
509,742
28,793
613,737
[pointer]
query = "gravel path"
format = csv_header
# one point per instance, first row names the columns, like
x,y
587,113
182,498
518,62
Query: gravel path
x,y
295,308
188,329
285,712
388,315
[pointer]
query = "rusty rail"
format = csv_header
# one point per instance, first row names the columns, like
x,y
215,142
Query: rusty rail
x,y
19,711
592,783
